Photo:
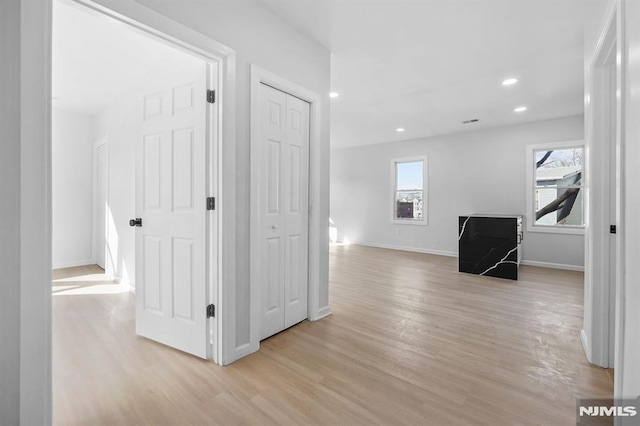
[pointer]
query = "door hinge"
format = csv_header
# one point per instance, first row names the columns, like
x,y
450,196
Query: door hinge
x,y
211,311
211,203
211,96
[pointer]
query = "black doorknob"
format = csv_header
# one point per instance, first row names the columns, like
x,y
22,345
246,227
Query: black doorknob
x,y
135,222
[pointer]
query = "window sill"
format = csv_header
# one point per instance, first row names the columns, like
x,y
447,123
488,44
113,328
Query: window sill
x,y
414,222
551,229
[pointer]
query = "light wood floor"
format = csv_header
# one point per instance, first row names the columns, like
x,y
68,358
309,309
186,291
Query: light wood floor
x,y
411,341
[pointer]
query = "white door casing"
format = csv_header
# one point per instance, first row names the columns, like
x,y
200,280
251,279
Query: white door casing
x,y
603,251
283,210
101,201
171,185
613,211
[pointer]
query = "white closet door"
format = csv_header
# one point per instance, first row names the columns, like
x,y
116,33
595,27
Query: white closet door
x,y
171,201
284,192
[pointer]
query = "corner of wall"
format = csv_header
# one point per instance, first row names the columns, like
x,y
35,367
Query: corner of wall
x,y
584,339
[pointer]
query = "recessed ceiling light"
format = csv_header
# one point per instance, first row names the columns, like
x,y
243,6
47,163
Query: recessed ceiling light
x,y
520,109
399,130
334,94
509,81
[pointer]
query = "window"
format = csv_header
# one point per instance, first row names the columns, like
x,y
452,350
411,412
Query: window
x,y
555,187
409,191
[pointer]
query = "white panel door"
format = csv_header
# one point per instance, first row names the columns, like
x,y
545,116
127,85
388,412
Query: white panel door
x,y
171,287
284,192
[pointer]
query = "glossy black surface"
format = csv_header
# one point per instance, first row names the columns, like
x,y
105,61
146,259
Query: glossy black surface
x,y
489,245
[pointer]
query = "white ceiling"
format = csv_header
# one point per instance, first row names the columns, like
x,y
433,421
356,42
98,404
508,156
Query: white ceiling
x,y
95,59
424,65
427,65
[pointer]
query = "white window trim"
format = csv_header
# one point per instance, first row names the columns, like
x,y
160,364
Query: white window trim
x,y
530,215
424,221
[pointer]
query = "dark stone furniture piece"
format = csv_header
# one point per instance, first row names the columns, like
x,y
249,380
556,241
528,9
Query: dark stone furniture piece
x,y
490,245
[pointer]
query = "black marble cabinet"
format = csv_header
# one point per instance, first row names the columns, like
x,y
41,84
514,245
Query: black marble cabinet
x,y
490,245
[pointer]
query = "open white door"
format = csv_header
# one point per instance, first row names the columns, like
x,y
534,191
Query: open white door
x,y
171,185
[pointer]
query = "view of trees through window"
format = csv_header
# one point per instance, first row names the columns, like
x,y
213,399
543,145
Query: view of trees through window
x,y
558,186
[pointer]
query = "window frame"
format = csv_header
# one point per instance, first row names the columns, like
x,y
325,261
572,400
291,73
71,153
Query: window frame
x,y
531,188
424,220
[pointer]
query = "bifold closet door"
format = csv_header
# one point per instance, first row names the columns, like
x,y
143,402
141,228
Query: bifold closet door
x,y
284,210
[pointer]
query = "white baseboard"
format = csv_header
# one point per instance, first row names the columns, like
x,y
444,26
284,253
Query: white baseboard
x,y
242,351
125,284
322,313
553,265
73,263
411,249
454,254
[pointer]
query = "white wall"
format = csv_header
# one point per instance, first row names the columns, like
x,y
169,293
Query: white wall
x,y
261,38
35,215
120,123
25,231
10,185
72,137
476,172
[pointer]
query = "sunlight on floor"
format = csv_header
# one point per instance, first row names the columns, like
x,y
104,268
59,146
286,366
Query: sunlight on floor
x,y
86,284
85,278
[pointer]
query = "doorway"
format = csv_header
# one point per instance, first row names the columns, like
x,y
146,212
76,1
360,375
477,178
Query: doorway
x,y
605,231
193,168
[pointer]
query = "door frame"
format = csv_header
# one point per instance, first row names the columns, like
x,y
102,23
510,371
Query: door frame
x,y
603,299
220,158
315,312
104,140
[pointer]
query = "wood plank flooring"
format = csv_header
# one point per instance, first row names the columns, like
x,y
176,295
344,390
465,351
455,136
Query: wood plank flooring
x,y
411,342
